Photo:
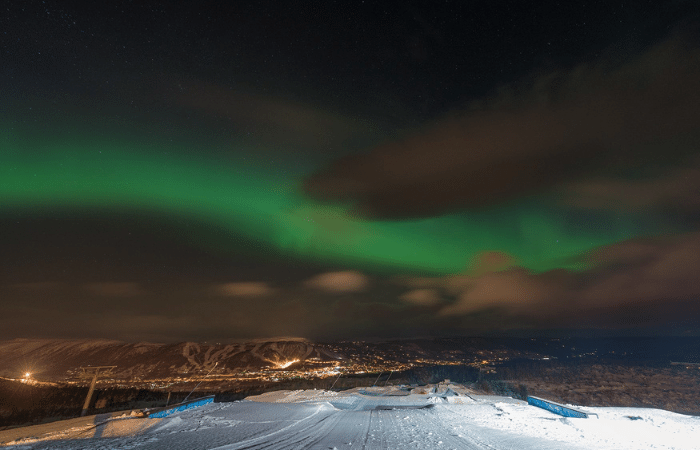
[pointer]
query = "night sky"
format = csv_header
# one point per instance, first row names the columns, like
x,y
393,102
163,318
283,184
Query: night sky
x,y
207,171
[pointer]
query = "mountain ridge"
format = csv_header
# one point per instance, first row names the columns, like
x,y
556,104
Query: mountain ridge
x,y
60,359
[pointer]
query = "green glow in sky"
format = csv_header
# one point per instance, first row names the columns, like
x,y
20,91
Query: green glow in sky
x,y
258,200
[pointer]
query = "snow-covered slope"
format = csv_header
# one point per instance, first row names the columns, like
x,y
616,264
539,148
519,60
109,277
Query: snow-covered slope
x,y
375,419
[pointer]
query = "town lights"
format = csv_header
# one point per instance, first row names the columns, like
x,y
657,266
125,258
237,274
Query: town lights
x,y
27,378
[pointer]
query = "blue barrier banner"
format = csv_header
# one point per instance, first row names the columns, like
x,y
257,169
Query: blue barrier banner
x,y
556,408
182,407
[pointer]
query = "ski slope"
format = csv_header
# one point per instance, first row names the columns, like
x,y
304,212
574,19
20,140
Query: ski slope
x,y
375,418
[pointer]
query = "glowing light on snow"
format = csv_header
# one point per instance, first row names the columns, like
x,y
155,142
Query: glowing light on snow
x,y
284,365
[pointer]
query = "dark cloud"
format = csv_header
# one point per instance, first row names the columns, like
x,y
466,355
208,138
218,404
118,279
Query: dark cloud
x,y
603,115
626,284
664,270
515,289
678,189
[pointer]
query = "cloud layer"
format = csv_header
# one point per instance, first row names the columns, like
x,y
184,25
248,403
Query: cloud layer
x,y
626,285
561,126
637,284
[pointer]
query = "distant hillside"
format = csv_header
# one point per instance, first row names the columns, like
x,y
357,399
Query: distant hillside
x,y
60,359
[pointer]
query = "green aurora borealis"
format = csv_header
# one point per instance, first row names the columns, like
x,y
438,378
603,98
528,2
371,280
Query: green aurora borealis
x,y
257,199
231,171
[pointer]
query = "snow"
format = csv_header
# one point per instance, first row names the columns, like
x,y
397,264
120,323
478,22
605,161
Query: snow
x,y
376,418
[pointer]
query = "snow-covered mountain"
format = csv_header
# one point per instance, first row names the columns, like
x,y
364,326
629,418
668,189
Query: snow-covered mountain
x,y
60,359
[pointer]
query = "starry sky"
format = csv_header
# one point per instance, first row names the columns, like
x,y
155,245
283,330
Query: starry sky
x,y
177,171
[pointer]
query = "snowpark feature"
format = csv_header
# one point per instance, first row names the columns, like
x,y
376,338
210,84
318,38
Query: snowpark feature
x,y
371,418
557,408
184,406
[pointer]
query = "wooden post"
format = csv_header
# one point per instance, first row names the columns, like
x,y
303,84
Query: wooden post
x,y
85,370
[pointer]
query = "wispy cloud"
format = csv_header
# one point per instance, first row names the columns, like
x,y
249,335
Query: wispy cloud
x,y
244,289
339,282
647,275
422,297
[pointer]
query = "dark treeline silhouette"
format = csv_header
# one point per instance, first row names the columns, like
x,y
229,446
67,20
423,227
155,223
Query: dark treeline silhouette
x,y
26,404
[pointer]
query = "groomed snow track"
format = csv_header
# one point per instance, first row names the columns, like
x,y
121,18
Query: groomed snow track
x,y
354,420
